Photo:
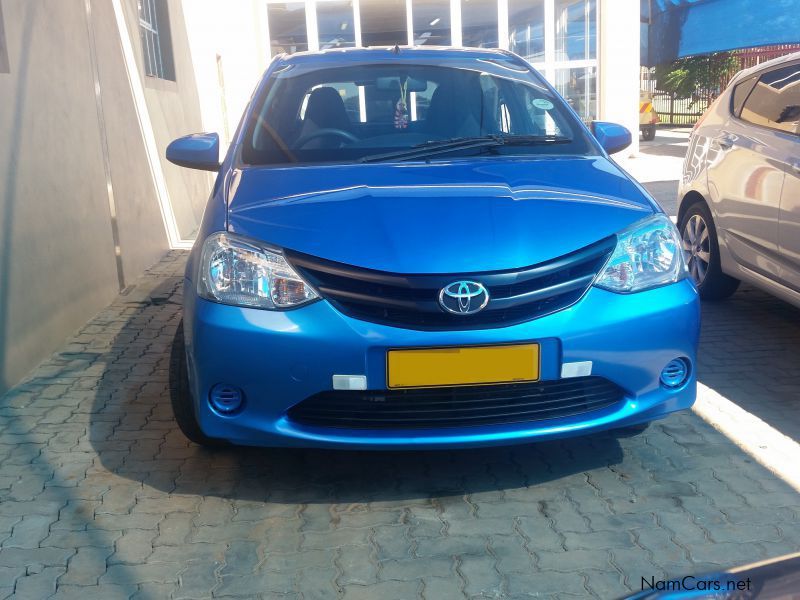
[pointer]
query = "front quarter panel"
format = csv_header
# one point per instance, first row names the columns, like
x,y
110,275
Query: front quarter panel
x,y
695,176
700,155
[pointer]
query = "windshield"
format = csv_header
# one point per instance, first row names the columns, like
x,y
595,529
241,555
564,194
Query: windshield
x,y
363,112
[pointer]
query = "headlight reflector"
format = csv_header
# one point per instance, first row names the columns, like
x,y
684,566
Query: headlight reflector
x,y
237,272
648,254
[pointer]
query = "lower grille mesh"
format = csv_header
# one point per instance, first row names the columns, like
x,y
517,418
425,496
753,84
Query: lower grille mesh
x,y
457,406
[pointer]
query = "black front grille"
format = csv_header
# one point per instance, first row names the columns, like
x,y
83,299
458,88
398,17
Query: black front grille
x,y
411,301
457,406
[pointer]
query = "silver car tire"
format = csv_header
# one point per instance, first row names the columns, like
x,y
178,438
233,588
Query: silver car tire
x,y
701,245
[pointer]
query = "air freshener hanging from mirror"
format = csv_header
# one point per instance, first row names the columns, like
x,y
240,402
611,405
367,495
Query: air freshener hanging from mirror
x,y
401,108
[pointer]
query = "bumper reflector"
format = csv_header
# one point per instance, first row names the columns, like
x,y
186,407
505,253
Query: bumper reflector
x,y
576,369
349,382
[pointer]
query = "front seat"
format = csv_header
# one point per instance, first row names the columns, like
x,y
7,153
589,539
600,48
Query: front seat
x,y
325,110
455,112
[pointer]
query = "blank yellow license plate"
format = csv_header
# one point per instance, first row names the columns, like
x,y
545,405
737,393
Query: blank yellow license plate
x,y
432,367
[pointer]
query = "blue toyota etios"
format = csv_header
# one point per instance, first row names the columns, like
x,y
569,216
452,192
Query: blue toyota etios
x,y
422,248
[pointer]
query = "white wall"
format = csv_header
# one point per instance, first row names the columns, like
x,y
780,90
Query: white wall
x,y
619,65
84,131
229,53
57,262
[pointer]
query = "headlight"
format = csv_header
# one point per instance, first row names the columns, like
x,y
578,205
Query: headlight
x,y
237,272
648,254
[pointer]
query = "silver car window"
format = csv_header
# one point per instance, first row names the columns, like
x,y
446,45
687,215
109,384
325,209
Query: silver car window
x,y
774,102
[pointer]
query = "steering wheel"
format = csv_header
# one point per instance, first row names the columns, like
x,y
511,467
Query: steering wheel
x,y
303,140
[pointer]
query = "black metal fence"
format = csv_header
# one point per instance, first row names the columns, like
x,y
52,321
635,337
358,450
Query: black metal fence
x,y
673,110
686,111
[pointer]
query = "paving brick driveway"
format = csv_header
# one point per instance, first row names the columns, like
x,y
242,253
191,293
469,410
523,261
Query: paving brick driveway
x,y
101,496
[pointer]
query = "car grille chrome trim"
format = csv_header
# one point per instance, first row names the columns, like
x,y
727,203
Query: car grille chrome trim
x,y
457,406
410,300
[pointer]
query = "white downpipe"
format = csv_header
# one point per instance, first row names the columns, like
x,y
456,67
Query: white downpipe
x,y
409,23
502,24
146,129
456,38
550,40
357,22
311,26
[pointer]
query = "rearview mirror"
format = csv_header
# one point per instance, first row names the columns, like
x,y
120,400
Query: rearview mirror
x,y
393,83
196,151
612,137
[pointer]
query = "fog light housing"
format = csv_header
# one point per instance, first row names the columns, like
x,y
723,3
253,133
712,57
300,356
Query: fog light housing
x,y
676,373
226,399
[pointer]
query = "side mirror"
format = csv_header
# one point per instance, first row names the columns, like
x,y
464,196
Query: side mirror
x,y
612,137
196,151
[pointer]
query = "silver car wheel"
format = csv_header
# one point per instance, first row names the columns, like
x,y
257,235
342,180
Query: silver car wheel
x,y
697,245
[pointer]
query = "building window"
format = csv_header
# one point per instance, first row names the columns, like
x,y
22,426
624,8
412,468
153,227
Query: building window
x,y
431,22
335,24
775,100
479,23
287,27
4,66
576,30
579,88
383,23
558,36
156,39
526,29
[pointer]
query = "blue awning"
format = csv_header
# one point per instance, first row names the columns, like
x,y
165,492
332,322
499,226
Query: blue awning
x,y
681,28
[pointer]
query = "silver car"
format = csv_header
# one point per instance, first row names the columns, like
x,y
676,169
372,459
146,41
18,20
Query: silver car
x,y
739,198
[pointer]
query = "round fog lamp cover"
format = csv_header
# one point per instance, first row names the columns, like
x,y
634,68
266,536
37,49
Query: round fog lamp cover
x,y
675,373
225,399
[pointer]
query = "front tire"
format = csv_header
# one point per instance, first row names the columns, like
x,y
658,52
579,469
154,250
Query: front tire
x,y
181,395
649,133
700,242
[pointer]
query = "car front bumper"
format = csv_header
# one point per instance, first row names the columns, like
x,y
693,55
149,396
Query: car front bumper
x,y
281,358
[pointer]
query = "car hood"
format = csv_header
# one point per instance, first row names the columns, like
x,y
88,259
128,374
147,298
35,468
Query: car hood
x,y
443,217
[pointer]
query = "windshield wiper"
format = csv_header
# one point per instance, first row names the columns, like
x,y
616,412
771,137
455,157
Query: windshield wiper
x,y
434,147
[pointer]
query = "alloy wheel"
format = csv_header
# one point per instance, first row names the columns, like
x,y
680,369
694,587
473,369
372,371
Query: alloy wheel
x,y
697,245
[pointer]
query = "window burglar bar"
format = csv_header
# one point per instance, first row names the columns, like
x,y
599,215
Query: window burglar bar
x,y
151,42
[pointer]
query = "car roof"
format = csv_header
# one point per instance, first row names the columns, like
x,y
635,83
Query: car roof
x,y
343,56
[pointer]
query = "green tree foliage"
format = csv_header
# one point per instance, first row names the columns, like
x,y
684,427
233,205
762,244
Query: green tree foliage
x,y
697,77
